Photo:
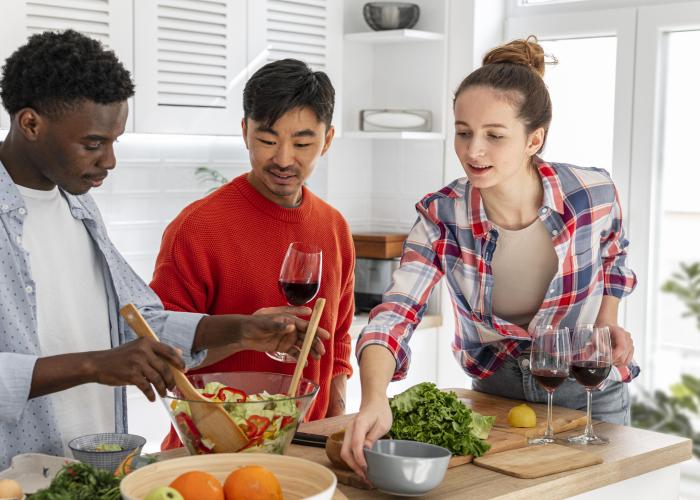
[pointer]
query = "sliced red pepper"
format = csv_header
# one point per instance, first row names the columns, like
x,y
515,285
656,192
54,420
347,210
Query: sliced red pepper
x,y
253,442
234,392
286,421
208,395
184,419
257,426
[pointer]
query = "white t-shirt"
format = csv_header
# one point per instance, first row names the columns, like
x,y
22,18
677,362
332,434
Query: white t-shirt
x,y
523,266
72,308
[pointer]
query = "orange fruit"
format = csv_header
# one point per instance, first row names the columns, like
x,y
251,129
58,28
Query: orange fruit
x,y
252,482
198,485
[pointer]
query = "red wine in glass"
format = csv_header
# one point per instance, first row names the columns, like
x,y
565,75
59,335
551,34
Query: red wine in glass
x,y
590,373
550,379
298,293
299,281
591,363
550,357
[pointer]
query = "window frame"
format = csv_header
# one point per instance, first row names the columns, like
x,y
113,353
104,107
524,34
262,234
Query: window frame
x,y
654,22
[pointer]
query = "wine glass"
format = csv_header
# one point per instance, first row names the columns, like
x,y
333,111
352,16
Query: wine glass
x,y
550,357
299,281
591,363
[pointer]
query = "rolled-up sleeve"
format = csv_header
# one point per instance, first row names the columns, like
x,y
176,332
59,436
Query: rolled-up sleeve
x,y
393,321
619,280
16,371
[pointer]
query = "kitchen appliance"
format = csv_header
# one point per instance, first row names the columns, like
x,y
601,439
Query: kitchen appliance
x,y
372,277
395,120
377,257
390,15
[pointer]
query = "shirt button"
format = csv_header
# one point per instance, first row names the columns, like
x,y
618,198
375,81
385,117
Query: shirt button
x,y
543,210
18,239
5,207
22,211
525,363
551,290
29,289
555,232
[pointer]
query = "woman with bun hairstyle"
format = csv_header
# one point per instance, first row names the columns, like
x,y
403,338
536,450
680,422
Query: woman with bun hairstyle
x,y
521,242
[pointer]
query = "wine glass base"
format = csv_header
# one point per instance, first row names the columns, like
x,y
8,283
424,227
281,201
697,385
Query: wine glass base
x,y
542,440
586,439
281,357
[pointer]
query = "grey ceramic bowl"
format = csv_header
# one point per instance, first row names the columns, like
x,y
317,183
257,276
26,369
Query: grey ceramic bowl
x,y
390,15
84,448
407,468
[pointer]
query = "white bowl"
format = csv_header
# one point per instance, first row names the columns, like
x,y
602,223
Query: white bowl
x,y
299,478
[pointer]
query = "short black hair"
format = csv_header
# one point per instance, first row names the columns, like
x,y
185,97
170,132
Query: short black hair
x,y
57,71
280,86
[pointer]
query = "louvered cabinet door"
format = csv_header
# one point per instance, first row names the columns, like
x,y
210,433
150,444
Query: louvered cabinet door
x,y
109,21
309,30
190,61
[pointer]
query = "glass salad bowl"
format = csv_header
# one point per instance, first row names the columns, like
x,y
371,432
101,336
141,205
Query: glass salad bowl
x,y
256,401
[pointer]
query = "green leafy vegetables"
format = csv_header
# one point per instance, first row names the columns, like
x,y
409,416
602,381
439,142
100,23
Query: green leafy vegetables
x,y
425,413
80,481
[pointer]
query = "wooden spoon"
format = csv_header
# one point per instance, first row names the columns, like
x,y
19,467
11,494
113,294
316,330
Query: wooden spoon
x,y
306,346
211,419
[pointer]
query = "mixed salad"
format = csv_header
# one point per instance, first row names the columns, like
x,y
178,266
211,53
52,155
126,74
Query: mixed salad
x,y
268,420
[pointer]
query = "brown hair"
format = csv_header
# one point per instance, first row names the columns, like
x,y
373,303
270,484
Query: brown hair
x,y
516,69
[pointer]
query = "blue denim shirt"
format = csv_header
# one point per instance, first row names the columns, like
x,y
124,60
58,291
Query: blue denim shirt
x,y
29,425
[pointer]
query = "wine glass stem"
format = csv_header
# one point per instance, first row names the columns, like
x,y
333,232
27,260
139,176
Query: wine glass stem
x,y
589,419
549,433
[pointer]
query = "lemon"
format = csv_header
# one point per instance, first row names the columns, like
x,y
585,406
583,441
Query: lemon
x,y
522,416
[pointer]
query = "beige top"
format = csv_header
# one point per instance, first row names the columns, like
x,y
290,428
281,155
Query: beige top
x,y
523,266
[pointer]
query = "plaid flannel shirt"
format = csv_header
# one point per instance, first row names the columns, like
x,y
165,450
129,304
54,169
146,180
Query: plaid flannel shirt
x,y
454,238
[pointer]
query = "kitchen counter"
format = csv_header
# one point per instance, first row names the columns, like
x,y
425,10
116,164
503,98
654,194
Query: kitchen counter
x,y
360,320
636,464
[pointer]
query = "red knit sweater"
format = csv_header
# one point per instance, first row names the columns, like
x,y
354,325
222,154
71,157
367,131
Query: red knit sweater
x,y
223,253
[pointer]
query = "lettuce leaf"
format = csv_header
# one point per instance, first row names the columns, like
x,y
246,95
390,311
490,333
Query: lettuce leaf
x,y
426,414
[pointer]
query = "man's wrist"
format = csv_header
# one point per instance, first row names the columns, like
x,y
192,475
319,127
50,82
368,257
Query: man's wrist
x,y
218,331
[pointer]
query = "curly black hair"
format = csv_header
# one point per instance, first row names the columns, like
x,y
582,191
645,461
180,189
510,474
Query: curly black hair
x,y
56,71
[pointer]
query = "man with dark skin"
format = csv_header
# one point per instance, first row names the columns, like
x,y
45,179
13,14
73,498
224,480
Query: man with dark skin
x,y
63,280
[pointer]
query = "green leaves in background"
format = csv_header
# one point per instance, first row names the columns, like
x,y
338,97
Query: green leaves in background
x,y
676,411
671,413
206,175
686,286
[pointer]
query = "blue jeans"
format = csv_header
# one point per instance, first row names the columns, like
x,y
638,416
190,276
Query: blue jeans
x,y
514,380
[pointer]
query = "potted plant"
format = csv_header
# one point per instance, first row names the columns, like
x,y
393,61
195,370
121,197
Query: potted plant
x,y
678,410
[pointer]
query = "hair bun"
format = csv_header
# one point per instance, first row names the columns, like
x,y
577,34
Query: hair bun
x,y
526,52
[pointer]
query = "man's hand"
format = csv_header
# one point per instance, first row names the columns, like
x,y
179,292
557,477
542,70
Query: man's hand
x,y
278,332
143,362
336,403
622,345
317,348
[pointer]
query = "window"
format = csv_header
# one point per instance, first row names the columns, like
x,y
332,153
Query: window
x,y
582,88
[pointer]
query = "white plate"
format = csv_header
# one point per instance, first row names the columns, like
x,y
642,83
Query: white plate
x,y
34,471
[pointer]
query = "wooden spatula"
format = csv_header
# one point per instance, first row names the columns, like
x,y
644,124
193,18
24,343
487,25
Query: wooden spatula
x,y
211,419
306,346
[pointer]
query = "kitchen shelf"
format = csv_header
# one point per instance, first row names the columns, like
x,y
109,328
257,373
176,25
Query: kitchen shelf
x,y
394,36
426,136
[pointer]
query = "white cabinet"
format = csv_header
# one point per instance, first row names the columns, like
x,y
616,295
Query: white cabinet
x,y
190,65
106,20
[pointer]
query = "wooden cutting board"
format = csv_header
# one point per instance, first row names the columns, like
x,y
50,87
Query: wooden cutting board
x,y
563,419
499,440
537,461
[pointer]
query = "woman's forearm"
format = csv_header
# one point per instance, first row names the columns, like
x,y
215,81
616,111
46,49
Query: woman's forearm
x,y
377,367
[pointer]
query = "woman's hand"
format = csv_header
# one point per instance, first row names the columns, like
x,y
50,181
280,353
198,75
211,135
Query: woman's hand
x,y
622,345
371,423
